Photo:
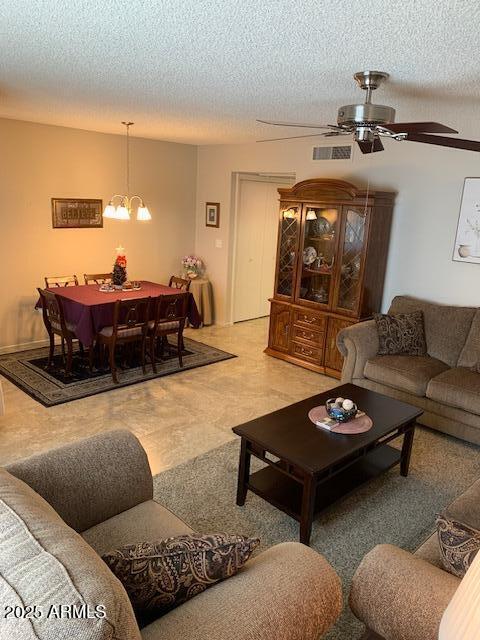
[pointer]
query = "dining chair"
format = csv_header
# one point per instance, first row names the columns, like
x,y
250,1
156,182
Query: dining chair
x,y
61,281
97,278
169,319
180,283
130,324
55,324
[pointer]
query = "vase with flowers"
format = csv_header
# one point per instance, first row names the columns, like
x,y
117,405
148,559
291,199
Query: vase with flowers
x,y
192,266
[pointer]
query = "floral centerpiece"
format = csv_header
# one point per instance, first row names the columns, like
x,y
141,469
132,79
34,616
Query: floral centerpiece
x,y
119,274
192,266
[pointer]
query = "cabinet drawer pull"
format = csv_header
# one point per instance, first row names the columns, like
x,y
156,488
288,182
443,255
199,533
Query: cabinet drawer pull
x,y
308,335
308,320
306,352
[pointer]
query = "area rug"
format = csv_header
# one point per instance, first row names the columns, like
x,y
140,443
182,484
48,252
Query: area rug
x,y
28,371
390,509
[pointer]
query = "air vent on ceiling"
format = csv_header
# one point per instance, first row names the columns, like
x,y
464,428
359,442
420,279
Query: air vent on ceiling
x,y
338,152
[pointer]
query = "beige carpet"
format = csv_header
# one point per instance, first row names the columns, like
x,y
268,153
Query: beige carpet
x,y
390,509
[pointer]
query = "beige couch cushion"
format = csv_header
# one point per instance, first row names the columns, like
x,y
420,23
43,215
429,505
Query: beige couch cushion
x,y
465,508
470,354
148,521
446,327
458,387
43,562
407,373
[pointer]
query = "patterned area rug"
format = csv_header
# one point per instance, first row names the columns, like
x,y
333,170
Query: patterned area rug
x,y
390,509
28,370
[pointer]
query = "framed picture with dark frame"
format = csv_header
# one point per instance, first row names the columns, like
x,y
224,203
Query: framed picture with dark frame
x,y
77,213
212,214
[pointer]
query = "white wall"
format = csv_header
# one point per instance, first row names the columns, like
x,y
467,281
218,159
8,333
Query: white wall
x,y
427,179
39,162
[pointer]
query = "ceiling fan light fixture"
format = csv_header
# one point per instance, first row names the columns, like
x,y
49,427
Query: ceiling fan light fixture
x,y
368,122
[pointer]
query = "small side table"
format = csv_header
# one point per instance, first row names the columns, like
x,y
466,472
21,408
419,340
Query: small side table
x,y
201,289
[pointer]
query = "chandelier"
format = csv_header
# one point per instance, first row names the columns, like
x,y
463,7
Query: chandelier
x,y
120,206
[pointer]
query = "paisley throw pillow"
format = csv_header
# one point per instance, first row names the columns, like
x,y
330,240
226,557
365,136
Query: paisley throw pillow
x,y
458,543
401,334
159,576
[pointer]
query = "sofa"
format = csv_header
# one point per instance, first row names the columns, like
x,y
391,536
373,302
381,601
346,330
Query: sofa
x,y
61,510
402,596
443,383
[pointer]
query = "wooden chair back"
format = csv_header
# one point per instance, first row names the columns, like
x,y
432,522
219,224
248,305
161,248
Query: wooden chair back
x,y
171,308
131,314
61,281
180,283
97,278
52,311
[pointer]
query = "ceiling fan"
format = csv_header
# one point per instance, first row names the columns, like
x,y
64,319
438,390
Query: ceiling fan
x,y
369,122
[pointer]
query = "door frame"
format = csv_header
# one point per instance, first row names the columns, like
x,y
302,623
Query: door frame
x,y
237,178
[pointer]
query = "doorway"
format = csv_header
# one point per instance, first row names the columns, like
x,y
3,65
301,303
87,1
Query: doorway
x,y
256,234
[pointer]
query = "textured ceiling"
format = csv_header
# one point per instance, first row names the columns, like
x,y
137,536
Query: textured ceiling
x,y
201,71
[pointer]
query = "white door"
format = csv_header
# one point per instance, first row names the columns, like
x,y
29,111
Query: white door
x,y
256,246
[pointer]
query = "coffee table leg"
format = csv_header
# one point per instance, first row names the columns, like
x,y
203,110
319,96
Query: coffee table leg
x,y
407,450
308,508
243,473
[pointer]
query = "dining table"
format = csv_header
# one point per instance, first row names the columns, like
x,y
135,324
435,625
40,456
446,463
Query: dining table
x,y
90,310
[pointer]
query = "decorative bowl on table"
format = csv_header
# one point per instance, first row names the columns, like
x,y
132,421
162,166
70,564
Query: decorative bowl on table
x,y
341,409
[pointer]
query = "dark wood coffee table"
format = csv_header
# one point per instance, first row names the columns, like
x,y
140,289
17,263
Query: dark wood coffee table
x,y
308,468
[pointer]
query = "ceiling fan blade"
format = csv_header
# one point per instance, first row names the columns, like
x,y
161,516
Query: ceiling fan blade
x,y
311,135
297,124
370,147
419,127
456,143
329,134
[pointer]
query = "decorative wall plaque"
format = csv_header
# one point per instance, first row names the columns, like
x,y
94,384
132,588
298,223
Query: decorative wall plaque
x,y
75,213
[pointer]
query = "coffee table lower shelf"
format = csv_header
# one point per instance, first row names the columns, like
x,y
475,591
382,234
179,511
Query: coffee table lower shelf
x,y
285,494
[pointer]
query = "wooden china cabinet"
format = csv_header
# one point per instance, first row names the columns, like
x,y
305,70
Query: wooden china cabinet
x,y
331,258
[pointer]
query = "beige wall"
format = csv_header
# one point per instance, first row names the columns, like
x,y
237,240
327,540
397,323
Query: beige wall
x,y
429,183
39,162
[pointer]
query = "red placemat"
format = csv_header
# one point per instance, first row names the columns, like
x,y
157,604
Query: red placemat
x,y
356,425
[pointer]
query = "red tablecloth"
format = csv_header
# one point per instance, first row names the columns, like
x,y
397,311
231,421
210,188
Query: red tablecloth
x,y
90,310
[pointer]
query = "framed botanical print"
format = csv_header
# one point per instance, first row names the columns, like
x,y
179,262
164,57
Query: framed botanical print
x,y
212,214
467,239
77,213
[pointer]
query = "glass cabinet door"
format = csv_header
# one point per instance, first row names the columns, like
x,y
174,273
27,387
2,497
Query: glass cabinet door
x,y
317,256
287,250
350,284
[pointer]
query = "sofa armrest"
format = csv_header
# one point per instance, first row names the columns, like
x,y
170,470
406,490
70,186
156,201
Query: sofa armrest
x,y
357,344
289,591
91,480
400,596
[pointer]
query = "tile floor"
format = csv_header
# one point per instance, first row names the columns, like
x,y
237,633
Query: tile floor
x,y
176,417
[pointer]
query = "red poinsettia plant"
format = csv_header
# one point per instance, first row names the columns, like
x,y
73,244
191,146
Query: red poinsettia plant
x,y
121,261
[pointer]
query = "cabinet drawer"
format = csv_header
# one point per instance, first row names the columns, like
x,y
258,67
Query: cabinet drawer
x,y
306,352
309,319
308,335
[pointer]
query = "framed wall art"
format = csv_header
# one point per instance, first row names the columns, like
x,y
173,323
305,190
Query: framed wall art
x,y
467,239
77,213
212,214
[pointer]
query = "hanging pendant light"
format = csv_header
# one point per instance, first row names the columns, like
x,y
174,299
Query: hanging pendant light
x,y
123,208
